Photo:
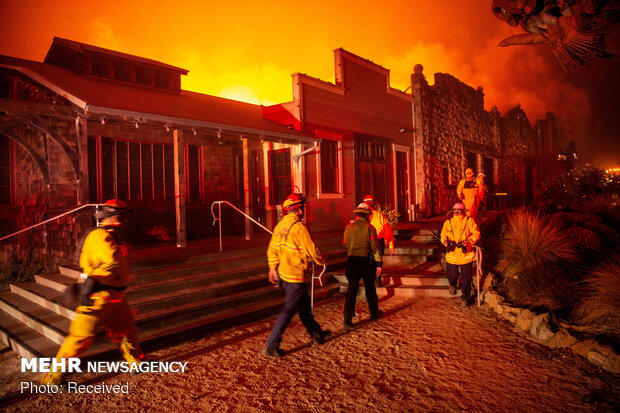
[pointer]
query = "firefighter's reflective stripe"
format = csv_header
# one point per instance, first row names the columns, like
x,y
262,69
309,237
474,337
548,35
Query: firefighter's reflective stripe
x,y
291,248
460,228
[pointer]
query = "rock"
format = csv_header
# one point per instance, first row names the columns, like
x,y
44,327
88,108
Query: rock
x,y
541,329
510,313
598,354
493,299
524,319
487,281
561,339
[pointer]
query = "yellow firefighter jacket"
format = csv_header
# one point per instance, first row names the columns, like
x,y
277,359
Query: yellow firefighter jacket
x,y
290,249
460,228
469,190
104,259
383,227
360,240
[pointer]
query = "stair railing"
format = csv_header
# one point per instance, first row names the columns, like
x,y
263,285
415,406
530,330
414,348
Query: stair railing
x,y
51,219
219,218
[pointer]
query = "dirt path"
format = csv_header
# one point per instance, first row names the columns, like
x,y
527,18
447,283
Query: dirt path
x,y
423,355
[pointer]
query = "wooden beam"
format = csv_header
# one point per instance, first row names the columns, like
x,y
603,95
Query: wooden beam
x,y
179,188
81,133
247,189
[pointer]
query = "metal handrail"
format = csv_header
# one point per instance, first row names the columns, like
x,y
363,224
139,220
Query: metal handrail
x,y
49,220
219,218
320,282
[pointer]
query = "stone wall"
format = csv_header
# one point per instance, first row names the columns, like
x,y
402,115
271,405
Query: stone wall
x,y
450,123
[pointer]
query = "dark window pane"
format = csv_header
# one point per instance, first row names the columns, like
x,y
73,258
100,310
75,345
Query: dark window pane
x,y
169,171
107,169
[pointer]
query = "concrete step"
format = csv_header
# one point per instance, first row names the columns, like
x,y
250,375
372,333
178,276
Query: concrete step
x,y
33,342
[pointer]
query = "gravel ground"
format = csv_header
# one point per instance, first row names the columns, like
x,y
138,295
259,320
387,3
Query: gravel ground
x,y
424,355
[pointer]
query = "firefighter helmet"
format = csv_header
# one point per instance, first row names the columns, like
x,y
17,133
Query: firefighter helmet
x,y
293,202
458,208
370,200
362,208
112,207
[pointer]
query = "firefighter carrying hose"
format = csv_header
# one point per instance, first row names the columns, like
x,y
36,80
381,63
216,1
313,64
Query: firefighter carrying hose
x,y
288,254
458,235
102,300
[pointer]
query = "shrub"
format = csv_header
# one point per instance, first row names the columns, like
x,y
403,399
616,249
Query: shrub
x,y
599,310
532,261
16,266
389,212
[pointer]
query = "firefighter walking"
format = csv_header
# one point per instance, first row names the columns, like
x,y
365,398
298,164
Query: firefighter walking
x,y
362,245
290,250
469,191
458,235
102,300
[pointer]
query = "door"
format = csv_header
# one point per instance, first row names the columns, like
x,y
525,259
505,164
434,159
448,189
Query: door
x,y
401,184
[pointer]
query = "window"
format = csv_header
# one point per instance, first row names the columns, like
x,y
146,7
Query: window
x,y
138,171
5,170
280,182
6,87
330,182
193,178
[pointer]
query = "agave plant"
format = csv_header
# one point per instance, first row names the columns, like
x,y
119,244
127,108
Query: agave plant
x,y
389,212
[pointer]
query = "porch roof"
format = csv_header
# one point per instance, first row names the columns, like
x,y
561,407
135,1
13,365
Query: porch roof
x,y
98,97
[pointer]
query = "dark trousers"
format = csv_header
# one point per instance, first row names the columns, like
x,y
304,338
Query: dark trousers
x,y
452,271
296,300
360,268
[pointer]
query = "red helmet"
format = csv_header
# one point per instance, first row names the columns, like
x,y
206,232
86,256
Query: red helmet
x,y
370,200
293,202
112,207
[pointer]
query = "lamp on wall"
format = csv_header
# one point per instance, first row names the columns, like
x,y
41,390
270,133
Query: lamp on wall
x,y
402,130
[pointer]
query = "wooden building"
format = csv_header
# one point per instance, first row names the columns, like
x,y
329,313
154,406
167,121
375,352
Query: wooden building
x,y
88,124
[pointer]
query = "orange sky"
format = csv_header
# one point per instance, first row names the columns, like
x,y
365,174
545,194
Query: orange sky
x,y
247,50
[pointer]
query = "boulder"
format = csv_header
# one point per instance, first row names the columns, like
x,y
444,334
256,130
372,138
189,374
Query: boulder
x,y
598,354
493,299
541,328
561,339
524,319
510,313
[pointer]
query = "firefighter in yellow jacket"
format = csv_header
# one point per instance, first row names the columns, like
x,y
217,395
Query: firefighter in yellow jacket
x,y
290,250
362,245
458,235
104,261
469,191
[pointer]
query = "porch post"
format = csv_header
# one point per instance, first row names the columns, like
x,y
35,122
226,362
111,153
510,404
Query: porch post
x,y
179,187
247,189
81,134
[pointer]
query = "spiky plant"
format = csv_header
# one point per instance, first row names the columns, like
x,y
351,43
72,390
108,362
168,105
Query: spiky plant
x,y
599,310
389,212
531,260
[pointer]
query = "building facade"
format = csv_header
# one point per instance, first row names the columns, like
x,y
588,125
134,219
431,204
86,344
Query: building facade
x,y
89,124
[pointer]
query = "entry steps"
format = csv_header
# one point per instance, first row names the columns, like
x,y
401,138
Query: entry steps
x,y
415,269
176,293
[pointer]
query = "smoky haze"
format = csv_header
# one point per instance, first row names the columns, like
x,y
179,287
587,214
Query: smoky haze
x,y
247,50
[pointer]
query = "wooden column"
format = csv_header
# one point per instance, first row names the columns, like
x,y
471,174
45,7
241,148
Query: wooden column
x,y
81,134
179,187
247,189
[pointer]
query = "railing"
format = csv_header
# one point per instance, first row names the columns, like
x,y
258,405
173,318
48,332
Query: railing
x,y
51,219
219,218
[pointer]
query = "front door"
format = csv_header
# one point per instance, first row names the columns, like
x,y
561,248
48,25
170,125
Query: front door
x,y
401,185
